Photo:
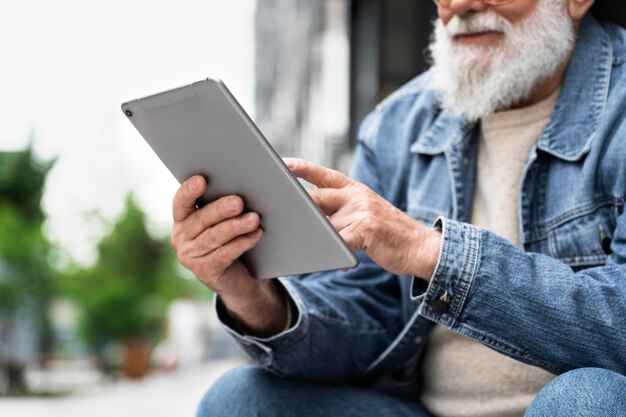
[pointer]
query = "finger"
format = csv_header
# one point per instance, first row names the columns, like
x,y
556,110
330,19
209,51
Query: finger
x,y
212,238
212,214
186,196
342,219
221,258
352,238
329,200
316,174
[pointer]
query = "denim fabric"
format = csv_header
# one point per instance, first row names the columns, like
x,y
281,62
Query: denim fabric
x,y
585,392
558,302
252,391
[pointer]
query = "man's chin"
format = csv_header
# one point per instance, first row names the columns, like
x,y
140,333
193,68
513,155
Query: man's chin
x,y
475,66
473,57
478,75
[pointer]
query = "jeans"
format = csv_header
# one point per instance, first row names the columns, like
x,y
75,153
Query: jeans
x,y
584,392
252,391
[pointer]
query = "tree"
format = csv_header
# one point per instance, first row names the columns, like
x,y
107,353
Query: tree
x,y
25,275
125,293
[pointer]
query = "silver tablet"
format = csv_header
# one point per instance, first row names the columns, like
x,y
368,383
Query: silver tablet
x,y
202,129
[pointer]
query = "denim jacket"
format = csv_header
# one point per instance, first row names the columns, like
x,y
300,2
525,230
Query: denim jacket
x,y
558,302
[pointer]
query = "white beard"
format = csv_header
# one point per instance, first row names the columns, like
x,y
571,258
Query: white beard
x,y
474,81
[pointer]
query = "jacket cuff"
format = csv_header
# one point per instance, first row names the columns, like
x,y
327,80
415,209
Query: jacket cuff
x,y
442,299
262,349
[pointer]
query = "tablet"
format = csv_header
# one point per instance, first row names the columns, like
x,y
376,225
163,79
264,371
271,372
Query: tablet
x,y
202,129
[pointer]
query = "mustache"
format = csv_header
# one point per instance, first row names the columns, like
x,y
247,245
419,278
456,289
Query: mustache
x,y
477,23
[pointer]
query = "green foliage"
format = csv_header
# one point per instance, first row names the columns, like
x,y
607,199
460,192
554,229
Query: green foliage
x,y
22,181
125,293
23,258
25,276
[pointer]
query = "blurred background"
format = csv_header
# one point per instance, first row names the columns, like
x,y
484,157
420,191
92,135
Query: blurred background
x,y
96,316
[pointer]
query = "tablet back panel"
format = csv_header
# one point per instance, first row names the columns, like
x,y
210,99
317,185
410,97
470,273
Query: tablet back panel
x,y
201,129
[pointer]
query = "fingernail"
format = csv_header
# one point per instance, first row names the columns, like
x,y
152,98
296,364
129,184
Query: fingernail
x,y
290,164
194,184
249,219
231,204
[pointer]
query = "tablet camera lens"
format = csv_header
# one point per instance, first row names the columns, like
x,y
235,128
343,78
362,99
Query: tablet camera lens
x,y
129,113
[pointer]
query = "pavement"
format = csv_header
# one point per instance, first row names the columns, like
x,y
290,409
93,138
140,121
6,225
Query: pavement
x,y
173,394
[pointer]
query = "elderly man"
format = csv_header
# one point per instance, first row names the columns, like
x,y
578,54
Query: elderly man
x,y
487,205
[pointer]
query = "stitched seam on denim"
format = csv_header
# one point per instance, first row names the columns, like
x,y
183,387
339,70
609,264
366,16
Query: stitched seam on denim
x,y
619,61
503,347
437,226
605,78
584,260
391,351
461,138
552,243
345,323
539,234
522,204
447,145
457,186
469,270
464,251
459,196
600,101
594,117
455,204
597,259
440,277
287,340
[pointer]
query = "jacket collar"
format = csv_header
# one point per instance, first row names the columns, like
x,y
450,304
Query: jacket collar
x,y
576,115
448,129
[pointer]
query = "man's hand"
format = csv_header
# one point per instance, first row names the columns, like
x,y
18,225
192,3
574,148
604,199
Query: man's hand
x,y
209,242
367,221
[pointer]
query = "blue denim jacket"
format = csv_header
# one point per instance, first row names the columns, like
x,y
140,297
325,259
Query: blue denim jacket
x,y
559,303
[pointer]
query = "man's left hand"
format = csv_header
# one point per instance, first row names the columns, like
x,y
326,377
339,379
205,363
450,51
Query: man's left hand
x,y
365,220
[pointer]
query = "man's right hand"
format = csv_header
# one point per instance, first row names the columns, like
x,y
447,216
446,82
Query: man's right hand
x,y
209,241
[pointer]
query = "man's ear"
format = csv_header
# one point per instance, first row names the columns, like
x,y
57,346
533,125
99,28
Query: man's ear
x,y
578,8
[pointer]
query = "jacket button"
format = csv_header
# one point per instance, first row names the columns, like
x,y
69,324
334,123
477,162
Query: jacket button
x,y
439,306
606,245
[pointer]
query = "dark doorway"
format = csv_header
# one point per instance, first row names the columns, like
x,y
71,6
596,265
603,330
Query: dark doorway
x,y
613,11
388,41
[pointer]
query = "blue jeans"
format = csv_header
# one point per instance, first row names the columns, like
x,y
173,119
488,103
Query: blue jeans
x,y
252,391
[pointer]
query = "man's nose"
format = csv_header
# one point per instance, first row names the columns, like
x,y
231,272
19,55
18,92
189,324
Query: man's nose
x,y
462,7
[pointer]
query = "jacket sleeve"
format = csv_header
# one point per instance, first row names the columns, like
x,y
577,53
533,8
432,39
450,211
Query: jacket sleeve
x,y
344,319
529,306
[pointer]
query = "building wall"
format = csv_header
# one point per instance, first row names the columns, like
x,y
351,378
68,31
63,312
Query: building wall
x,y
302,77
322,65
